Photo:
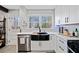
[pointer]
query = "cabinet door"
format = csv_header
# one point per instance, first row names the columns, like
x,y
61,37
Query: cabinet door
x,y
58,15
35,45
74,14
67,14
57,44
76,11
49,45
53,42
63,14
45,45
77,14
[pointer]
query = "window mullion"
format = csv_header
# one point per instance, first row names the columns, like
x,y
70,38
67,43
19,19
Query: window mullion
x,y
40,21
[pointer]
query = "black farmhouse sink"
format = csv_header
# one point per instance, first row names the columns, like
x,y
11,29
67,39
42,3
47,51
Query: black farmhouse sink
x,y
42,33
41,36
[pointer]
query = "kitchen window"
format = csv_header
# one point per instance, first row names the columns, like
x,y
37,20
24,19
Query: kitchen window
x,y
42,21
34,22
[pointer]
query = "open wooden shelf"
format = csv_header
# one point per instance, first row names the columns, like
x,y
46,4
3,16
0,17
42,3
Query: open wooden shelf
x,y
2,33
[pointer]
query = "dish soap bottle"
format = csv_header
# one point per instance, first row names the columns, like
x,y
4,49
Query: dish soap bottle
x,y
73,33
76,32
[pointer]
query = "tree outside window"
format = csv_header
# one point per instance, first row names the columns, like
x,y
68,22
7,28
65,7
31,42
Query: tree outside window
x,y
42,21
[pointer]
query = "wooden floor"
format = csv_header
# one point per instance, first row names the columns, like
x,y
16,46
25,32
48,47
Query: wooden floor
x,y
8,49
12,49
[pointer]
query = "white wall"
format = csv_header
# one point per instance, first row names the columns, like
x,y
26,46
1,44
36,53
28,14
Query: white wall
x,y
39,12
11,33
11,36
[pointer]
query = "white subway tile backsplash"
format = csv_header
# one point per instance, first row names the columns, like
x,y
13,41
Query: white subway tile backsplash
x,y
71,28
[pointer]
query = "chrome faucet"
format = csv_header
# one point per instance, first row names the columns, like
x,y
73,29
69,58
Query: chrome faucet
x,y
39,29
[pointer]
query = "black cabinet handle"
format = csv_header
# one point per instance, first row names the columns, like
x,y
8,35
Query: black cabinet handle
x,y
61,41
61,48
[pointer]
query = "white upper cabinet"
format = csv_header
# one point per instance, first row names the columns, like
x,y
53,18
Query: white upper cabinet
x,y
66,14
74,14
58,15
62,15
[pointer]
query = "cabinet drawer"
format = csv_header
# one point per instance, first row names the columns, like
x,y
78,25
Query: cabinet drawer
x,y
62,41
61,46
62,49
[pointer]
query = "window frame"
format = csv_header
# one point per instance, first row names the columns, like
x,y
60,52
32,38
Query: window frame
x,y
35,12
39,21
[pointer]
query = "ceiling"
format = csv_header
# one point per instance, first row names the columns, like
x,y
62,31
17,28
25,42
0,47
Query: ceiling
x,y
30,6
11,6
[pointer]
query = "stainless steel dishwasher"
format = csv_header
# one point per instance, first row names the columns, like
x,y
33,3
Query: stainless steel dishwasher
x,y
24,43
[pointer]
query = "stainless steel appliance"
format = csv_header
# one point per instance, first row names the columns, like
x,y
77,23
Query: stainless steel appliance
x,y
73,46
24,43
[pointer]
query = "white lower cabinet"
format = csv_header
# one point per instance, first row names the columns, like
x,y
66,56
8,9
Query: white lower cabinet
x,y
61,45
53,41
42,45
35,45
46,45
56,43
